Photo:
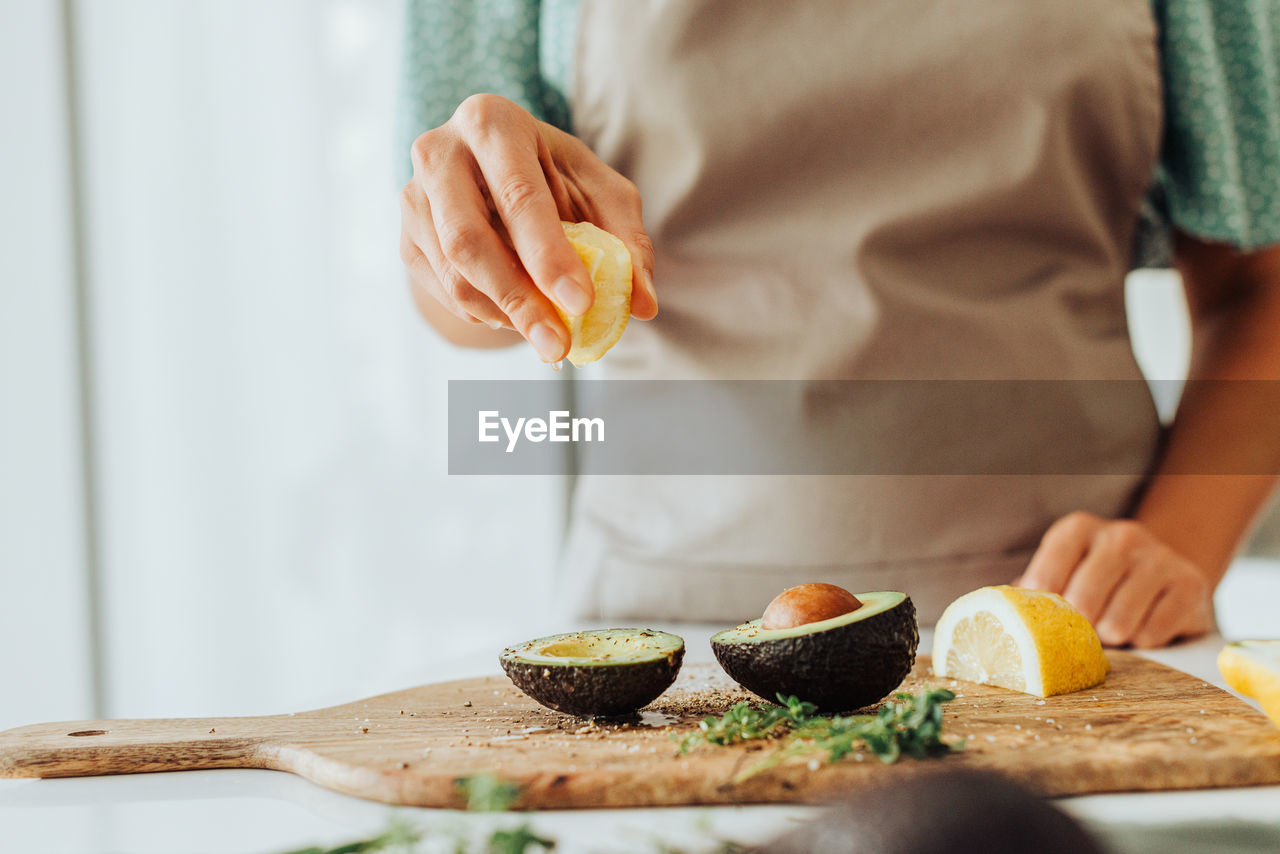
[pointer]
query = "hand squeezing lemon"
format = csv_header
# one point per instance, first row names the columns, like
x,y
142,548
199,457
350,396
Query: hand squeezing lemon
x,y
609,263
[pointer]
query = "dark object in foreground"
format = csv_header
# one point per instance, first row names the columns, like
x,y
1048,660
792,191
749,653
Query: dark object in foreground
x,y
940,813
596,673
840,664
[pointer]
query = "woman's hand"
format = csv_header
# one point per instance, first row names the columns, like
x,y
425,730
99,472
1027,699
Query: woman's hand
x,y
480,222
1125,580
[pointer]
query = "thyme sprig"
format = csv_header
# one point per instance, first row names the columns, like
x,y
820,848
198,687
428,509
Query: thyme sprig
x,y
908,725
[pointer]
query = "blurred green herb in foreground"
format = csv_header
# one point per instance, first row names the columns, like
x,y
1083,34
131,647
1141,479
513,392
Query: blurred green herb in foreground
x,y
487,793
483,793
397,835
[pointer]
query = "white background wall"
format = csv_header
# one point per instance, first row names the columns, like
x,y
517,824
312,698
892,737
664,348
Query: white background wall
x,y
275,515
266,468
44,638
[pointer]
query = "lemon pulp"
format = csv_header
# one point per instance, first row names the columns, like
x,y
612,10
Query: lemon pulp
x,y
609,264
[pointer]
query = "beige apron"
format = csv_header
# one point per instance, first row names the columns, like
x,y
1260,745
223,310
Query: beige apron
x,y
882,189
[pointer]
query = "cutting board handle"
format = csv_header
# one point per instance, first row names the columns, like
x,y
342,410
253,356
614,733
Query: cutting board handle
x,y
87,748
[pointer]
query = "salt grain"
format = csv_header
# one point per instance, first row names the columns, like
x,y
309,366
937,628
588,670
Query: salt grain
x,y
1192,740
1088,726
1039,702
814,765
991,738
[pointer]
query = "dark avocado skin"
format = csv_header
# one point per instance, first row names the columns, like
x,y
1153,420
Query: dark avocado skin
x,y
599,691
841,669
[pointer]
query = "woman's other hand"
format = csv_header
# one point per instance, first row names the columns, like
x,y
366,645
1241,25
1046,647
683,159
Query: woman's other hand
x,y
481,234
1135,589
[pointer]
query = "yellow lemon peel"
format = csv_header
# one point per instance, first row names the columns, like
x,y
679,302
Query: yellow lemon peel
x,y
1253,669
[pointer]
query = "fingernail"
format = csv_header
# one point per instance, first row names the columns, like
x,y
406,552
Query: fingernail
x,y
494,324
546,342
646,282
571,297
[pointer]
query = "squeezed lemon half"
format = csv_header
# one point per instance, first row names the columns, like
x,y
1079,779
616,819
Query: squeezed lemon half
x,y
1024,640
609,264
1253,669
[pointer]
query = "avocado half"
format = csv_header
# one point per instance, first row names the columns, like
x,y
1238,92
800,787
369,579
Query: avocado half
x,y
843,663
599,673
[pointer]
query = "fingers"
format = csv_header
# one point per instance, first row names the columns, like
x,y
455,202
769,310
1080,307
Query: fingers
x,y
472,257
1063,547
1184,609
1110,553
1162,623
1131,604
477,272
613,204
623,219
511,162
428,268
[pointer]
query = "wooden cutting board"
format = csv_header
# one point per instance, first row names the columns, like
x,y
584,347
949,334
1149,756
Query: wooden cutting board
x,y
1148,727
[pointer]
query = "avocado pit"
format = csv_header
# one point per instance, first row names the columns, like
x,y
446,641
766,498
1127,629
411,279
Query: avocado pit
x,y
808,603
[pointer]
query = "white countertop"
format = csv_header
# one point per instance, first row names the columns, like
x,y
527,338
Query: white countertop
x,y
261,812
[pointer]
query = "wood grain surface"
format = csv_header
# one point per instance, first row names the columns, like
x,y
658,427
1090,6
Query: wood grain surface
x,y
1148,727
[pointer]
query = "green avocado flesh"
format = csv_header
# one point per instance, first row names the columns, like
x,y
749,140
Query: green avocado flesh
x,y
599,673
839,664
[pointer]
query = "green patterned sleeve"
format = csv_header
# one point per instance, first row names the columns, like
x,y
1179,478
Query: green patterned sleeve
x,y
1220,168
456,48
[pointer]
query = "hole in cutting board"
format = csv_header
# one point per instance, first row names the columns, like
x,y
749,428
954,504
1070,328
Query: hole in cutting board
x,y
87,732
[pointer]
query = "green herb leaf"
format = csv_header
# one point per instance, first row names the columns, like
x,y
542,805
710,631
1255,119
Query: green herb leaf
x,y
517,841
487,793
396,835
906,725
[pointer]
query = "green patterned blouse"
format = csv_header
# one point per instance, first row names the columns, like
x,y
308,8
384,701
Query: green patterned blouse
x,y
1219,171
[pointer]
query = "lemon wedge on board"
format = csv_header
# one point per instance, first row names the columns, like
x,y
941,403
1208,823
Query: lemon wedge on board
x,y
1253,669
1025,640
609,263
